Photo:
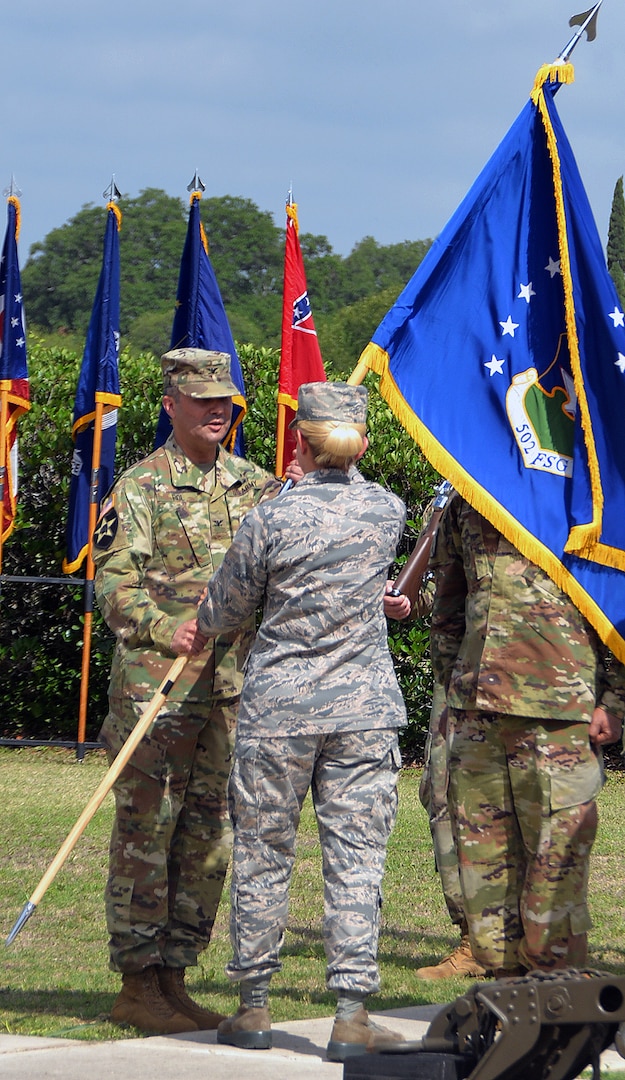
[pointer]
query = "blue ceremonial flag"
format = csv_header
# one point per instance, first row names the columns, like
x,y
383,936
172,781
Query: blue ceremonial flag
x,y
14,386
98,384
504,357
200,322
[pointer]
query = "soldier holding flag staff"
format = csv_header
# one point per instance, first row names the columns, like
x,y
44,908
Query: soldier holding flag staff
x,y
165,528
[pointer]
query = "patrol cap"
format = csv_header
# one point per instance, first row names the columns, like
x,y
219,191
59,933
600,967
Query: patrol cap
x,y
338,401
199,373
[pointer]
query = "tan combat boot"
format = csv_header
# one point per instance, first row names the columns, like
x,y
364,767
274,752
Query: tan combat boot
x,y
142,1004
460,964
171,982
249,1029
358,1036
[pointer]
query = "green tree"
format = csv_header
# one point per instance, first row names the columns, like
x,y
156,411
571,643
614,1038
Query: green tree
x,y
344,334
245,248
61,274
324,274
371,267
247,252
616,240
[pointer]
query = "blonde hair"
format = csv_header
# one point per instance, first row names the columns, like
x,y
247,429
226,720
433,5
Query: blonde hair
x,y
334,444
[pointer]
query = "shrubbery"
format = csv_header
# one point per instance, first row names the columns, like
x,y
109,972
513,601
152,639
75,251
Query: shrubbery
x,y
41,624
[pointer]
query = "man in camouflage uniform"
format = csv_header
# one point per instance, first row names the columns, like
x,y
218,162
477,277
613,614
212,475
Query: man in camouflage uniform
x,y
460,963
433,794
320,709
163,531
531,697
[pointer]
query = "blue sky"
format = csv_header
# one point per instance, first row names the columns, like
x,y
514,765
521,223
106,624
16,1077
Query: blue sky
x,y
380,115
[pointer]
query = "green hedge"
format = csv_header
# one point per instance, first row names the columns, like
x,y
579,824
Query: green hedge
x,y
41,624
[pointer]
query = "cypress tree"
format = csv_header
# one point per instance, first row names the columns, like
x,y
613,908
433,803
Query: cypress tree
x,y
616,240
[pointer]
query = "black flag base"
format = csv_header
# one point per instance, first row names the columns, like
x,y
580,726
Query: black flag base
x,y
541,1026
22,918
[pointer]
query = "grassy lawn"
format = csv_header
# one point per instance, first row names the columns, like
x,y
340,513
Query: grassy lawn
x,y
55,979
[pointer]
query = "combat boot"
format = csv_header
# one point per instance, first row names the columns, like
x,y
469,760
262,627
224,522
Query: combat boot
x,y
249,1029
171,982
358,1036
460,964
142,1004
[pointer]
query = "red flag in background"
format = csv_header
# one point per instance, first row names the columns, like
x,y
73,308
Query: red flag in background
x,y
300,359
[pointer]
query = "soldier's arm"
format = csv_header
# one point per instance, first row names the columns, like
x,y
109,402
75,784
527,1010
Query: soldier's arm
x,y
448,608
120,554
611,685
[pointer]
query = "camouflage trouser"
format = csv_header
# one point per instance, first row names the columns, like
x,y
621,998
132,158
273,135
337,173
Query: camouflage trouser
x,y
353,780
522,793
171,838
433,795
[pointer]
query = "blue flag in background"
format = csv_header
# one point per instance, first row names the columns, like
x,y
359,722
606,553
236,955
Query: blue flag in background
x,y
98,382
504,357
200,322
14,386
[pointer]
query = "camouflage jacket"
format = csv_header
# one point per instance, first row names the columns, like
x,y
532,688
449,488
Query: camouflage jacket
x,y
504,637
317,558
162,532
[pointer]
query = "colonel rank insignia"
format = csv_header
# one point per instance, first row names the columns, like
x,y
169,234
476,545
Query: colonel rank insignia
x,y
106,526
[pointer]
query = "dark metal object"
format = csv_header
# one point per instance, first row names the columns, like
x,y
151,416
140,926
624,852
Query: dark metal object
x,y
542,1026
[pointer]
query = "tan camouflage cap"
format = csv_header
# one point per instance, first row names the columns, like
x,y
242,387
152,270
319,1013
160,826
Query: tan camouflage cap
x,y
336,401
199,373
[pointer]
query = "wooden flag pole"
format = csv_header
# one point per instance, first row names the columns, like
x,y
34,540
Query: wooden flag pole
x,y
280,440
358,374
98,797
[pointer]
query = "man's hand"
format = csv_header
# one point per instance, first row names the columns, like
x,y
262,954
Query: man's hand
x,y
396,607
187,640
604,728
293,472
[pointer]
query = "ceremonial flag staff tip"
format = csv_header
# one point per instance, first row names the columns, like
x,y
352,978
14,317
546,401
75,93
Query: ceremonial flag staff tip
x,y
586,20
12,189
197,184
112,192
21,920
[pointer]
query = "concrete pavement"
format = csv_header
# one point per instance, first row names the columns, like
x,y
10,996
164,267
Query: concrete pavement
x,y
298,1051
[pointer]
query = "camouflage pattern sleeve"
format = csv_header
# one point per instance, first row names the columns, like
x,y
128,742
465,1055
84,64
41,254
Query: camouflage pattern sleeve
x,y
317,558
450,589
611,684
504,637
127,605
237,588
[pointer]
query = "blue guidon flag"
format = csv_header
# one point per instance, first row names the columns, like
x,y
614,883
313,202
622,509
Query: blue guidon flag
x,y
200,322
504,357
14,385
98,384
